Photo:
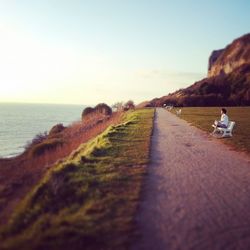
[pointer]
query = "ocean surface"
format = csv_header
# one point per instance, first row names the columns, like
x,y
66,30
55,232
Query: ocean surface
x,y
19,123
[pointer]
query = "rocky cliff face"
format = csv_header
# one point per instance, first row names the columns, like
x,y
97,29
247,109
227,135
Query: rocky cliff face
x,y
227,84
213,58
226,60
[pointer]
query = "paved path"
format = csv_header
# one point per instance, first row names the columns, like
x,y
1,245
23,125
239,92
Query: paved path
x,y
197,193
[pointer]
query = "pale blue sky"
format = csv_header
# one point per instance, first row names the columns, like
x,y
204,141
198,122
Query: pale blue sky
x,y
93,51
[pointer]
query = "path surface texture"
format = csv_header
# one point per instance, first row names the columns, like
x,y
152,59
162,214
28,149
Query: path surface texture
x,y
197,193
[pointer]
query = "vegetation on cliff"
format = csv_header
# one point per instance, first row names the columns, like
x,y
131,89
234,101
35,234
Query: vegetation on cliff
x,y
88,200
232,89
101,109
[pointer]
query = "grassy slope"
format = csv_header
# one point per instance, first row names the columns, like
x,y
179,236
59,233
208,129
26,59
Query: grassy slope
x,y
28,168
203,118
89,200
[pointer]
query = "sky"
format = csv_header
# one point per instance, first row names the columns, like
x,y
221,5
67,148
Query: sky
x,y
92,51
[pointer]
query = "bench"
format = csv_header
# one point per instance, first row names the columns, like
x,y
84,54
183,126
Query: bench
x,y
224,132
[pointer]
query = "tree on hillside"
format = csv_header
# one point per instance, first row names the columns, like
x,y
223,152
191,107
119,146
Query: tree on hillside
x,y
118,106
103,108
87,111
129,105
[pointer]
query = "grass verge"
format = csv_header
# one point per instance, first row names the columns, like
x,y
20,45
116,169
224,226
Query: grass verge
x,y
204,117
89,200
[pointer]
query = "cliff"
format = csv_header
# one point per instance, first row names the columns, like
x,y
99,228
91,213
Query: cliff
x,y
212,60
226,60
227,84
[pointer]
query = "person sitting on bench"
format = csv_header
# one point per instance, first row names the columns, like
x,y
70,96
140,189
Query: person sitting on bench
x,y
223,123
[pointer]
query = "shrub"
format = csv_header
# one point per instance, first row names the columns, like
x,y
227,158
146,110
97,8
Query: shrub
x,y
47,145
39,138
56,129
100,108
129,105
87,111
103,108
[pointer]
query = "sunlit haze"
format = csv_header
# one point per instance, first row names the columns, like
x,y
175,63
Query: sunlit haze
x,y
86,52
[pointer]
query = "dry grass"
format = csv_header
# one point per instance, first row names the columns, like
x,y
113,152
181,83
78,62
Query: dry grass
x,y
74,135
203,118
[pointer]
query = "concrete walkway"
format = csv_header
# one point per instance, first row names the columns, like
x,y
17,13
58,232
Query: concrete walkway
x,y
197,193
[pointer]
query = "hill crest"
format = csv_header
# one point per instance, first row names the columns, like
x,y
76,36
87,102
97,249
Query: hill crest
x,y
227,84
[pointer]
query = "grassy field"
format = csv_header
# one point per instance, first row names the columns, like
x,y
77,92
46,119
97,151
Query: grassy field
x,y
203,118
89,200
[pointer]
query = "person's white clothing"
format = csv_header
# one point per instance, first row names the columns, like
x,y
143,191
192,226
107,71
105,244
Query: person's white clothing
x,y
224,119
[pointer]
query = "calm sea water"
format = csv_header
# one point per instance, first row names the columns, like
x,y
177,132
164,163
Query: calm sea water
x,y
19,123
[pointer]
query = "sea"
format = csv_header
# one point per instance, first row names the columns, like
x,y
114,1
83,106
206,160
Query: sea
x,y
19,123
